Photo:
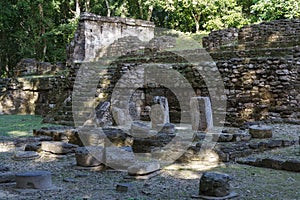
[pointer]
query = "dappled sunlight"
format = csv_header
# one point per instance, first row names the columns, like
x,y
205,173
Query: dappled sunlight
x,y
190,170
18,133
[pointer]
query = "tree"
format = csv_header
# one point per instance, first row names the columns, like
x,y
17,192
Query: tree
x,y
266,10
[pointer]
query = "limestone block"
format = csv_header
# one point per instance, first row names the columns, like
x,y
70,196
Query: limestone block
x,y
58,147
118,158
260,131
34,180
89,156
201,113
214,184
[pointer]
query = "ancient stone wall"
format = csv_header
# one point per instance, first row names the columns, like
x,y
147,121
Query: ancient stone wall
x,y
37,88
95,33
260,71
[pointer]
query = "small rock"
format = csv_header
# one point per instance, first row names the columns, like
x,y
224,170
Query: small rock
x,y
143,168
222,137
25,155
214,184
124,187
32,146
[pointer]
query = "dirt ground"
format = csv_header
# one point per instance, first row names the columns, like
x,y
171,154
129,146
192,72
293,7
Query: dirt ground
x,y
178,181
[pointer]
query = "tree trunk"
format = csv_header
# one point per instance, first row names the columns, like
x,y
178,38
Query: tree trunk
x,y
150,11
108,8
42,31
77,9
87,5
196,20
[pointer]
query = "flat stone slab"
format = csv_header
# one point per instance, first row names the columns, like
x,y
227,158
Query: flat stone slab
x,y
143,168
119,158
34,180
124,187
25,155
260,131
7,177
58,147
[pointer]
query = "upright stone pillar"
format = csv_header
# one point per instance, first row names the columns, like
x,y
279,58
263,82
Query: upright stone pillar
x,y
159,112
201,113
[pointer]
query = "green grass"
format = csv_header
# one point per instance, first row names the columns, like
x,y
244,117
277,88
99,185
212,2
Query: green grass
x,y
20,125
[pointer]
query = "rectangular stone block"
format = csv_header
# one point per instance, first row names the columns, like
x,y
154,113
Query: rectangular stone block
x,y
201,113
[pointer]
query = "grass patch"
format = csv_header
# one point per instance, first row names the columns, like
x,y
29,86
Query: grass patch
x,y
20,125
262,183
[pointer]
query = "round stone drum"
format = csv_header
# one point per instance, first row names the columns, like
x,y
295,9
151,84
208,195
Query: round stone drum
x,y
34,180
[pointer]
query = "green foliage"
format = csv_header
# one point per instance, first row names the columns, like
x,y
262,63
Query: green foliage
x,y
266,10
42,29
20,125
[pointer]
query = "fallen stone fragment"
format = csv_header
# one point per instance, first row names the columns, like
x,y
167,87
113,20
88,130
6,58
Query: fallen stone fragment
x,y
7,177
124,187
25,155
168,128
34,180
139,129
143,168
291,165
118,158
58,147
214,184
90,156
260,131
33,146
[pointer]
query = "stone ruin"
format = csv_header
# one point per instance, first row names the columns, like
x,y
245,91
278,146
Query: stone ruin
x,y
260,84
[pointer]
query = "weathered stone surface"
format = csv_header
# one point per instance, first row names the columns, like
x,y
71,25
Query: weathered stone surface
x,y
222,137
4,169
241,137
143,168
58,147
214,184
201,113
118,158
89,156
260,131
7,177
139,129
159,112
124,187
166,128
34,180
250,161
32,146
25,155
274,143
291,165
119,116
272,163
